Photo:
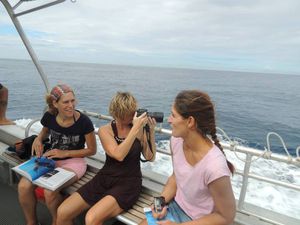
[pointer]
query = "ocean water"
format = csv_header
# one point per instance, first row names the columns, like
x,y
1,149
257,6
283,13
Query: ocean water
x,y
248,106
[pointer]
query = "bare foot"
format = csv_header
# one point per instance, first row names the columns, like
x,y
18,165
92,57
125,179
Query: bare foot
x,y
6,122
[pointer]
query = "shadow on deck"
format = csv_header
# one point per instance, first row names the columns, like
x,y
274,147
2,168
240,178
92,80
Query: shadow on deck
x,y
11,212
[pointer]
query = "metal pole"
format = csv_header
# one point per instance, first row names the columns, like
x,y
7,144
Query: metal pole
x,y
245,182
39,7
26,42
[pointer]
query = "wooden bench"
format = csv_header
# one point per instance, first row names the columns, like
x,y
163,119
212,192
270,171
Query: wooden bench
x,y
131,217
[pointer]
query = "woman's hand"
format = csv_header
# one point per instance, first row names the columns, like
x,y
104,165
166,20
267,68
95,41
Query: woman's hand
x,y
141,121
161,215
151,123
56,153
37,147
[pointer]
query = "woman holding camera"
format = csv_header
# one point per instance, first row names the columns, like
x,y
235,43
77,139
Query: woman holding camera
x,y
199,190
117,185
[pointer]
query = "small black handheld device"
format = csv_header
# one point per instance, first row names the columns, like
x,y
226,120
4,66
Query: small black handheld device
x,y
159,203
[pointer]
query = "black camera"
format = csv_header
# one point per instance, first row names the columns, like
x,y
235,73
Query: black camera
x,y
158,116
159,203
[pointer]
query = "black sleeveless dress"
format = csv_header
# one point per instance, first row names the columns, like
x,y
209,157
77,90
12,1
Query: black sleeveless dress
x,y
122,180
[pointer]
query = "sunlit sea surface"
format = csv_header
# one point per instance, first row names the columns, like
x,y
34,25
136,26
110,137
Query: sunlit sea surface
x,y
248,105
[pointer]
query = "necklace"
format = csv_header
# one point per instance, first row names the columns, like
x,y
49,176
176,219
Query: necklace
x,y
119,139
64,122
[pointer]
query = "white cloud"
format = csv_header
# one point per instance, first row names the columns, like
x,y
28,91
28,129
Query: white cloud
x,y
180,33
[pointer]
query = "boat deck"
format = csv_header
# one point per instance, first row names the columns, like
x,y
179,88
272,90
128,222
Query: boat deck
x,y
11,212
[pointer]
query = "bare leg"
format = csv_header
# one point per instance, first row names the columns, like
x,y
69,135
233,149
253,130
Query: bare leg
x,y
3,106
104,209
27,200
70,208
53,199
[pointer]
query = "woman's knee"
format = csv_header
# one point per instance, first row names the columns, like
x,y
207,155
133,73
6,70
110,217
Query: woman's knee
x,y
92,219
25,187
64,213
50,196
70,208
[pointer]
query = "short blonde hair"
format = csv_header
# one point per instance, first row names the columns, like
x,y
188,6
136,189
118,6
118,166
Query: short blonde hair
x,y
122,105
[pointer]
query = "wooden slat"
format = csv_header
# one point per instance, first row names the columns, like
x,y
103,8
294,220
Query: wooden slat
x,y
81,182
84,179
136,213
11,158
142,204
89,174
138,208
141,199
131,217
146,196
76,185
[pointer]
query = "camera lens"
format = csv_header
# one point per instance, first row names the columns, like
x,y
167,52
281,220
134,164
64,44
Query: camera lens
x,y
158,116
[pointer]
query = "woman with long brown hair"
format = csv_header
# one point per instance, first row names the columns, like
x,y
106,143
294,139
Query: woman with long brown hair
x,y
199,190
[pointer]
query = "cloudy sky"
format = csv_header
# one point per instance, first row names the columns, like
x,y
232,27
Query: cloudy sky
x,y
239,35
